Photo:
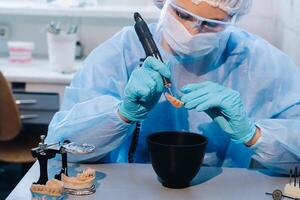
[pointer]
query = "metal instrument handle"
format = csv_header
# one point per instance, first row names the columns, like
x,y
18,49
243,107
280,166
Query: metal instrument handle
x,y
25,101
33,116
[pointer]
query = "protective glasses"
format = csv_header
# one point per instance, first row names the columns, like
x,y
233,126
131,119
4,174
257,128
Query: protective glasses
x,y
199,23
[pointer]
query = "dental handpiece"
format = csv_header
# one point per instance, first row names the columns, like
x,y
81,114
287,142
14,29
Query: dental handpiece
x,y
150,49
149,45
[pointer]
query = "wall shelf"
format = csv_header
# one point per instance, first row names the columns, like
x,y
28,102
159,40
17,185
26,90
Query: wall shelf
x,y
123,11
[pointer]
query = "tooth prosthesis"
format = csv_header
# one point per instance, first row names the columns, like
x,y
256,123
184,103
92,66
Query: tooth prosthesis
x,y
53,187
81,181
175,102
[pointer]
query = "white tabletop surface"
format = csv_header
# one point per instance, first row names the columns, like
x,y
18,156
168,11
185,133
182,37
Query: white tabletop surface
x,y
138,181
37,71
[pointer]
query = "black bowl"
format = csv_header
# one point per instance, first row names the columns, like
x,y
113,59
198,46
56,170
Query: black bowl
x,y
176,156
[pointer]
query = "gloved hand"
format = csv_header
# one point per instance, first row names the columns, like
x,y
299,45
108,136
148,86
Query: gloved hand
x,y
223,105
143,89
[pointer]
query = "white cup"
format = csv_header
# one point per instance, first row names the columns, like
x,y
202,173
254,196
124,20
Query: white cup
x,y
61,51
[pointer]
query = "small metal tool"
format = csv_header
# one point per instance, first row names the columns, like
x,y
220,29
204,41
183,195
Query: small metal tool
x,y
79,148
72,29
54,28
44,152
278,195
57,27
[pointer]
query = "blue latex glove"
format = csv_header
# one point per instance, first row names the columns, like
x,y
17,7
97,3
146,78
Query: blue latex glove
x,y
143,89
223,105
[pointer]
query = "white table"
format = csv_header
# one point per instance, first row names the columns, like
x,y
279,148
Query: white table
x,y
138,181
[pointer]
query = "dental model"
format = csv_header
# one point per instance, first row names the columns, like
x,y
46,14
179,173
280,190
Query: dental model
x,y
53,187
81,181
175,102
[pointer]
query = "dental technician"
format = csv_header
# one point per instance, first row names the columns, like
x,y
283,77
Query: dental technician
x,y
238,90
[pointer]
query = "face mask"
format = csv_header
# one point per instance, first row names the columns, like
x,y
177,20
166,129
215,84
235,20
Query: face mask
x,y
181,41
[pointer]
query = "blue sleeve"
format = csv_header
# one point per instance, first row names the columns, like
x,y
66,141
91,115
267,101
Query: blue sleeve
x,y
278,149
89,110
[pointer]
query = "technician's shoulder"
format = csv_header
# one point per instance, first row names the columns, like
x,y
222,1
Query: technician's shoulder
x,y
241,40
259,50
262,60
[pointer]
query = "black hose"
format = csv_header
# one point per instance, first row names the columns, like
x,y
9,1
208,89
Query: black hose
x,y
134,142
150,48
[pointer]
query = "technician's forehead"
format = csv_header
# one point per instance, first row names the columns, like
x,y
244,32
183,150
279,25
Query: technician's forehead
x,y
203,9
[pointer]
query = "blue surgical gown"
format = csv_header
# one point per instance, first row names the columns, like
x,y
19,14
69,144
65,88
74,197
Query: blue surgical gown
x,y
268,81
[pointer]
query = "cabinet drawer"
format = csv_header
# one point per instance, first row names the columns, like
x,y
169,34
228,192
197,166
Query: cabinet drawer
x,y
37,101
36,116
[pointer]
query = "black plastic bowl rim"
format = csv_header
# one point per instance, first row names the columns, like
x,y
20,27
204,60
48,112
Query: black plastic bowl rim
x,y
205,140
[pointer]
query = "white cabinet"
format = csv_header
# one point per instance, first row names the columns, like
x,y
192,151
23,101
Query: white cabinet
x,y
37,76
38,89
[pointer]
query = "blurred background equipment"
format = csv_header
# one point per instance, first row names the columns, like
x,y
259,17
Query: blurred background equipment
x,y
14,146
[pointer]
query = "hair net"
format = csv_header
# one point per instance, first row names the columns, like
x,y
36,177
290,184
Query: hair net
x,y
232,7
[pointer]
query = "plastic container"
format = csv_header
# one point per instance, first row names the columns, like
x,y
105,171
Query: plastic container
x,y
61,51
176,156
20,52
